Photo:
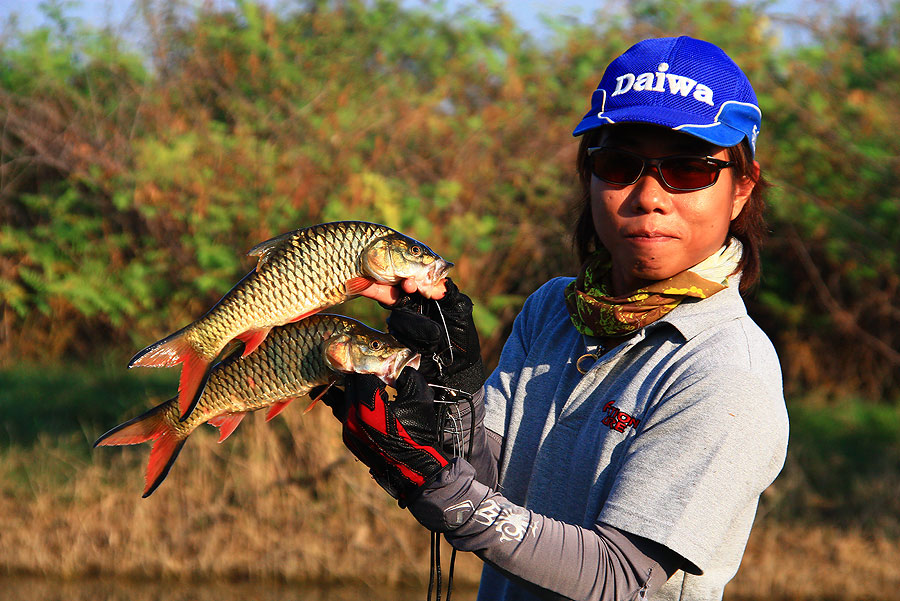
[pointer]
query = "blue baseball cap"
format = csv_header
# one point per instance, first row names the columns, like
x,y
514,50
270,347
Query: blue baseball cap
x,y
683,83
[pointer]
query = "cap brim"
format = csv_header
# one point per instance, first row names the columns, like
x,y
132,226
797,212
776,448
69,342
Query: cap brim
x,y
720,134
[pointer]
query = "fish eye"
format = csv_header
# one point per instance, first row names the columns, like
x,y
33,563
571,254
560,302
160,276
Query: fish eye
x,y
415,250
377,345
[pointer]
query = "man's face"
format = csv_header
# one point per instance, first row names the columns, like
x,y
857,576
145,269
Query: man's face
x,y
652,231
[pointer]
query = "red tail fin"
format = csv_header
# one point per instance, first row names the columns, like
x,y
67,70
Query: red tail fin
x,y
163,454
171,351
151,425
167,352
194,374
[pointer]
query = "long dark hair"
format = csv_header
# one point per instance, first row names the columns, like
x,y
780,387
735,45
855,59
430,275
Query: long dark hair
x,y
749,227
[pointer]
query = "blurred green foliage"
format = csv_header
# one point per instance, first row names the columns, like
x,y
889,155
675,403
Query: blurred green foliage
x,y
57,401
841,466
131,183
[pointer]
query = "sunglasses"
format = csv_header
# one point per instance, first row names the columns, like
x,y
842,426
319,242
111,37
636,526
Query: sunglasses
x,y
682,173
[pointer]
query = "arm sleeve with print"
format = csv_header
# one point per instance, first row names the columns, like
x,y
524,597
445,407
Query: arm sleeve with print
x,y
549,558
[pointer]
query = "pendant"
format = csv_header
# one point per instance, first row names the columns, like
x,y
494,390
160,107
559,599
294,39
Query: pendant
x,y
591,356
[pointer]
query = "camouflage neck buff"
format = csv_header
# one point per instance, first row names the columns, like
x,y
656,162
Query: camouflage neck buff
x,y
595,313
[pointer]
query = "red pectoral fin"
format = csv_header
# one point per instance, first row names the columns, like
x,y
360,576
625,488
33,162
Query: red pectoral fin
x,y
277,408
318,398
356,285
226,423
252,339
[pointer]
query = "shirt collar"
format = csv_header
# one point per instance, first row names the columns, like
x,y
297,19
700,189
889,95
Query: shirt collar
x,y
692,316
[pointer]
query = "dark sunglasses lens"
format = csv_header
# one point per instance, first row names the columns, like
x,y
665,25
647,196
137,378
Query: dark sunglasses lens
x,y
688,173
616,167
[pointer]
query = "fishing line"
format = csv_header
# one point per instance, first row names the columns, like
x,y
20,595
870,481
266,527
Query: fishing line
x,y
446,398
459,439
446,333
455,430
466,455
434,572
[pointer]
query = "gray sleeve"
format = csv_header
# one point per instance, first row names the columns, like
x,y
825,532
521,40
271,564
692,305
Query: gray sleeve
x,y
550,558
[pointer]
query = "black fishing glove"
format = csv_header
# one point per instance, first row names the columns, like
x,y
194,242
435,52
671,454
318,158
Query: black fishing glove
x,y
397,439
444,333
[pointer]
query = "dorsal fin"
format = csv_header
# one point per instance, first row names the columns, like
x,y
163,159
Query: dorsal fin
x,y
264,249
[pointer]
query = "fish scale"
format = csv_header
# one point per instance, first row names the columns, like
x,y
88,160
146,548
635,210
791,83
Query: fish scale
x,y
266,294
288,364
299,273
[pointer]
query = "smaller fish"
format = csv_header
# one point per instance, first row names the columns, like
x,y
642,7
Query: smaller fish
x,y
291,361
298,274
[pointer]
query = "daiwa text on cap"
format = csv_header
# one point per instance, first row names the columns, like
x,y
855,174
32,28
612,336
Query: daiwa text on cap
x,y
683,83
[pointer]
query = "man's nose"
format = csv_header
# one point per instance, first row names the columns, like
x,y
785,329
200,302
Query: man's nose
x,y
649,194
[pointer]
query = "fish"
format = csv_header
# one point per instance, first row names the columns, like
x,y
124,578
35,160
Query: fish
x,y
294,359
298,274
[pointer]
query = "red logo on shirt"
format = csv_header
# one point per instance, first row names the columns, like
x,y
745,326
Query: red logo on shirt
x,y
618,420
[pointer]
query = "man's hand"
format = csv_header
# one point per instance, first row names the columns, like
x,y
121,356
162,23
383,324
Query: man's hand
x,y
388,295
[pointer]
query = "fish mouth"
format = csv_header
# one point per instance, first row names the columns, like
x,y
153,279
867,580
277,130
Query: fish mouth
x,y
414,361
397,365
438,270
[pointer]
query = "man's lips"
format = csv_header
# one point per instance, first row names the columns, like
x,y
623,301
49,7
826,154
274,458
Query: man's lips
x,y
648,236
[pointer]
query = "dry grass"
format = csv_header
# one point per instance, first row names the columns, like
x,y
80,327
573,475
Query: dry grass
x,y
266,504
821,563
282,503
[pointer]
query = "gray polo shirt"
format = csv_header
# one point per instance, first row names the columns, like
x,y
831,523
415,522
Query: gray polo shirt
x,y
672,435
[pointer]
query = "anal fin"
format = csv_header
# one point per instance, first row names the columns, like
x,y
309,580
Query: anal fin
x,y
252,339
226,423
277,408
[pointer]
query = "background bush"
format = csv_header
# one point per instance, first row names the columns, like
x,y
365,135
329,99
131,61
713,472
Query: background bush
x,y
135,172
132,181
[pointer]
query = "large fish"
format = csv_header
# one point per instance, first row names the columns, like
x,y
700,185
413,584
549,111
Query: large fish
x,y
299,273
293,359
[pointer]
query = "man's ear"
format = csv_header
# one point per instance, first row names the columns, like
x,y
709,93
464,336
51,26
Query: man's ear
x,y
743,187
